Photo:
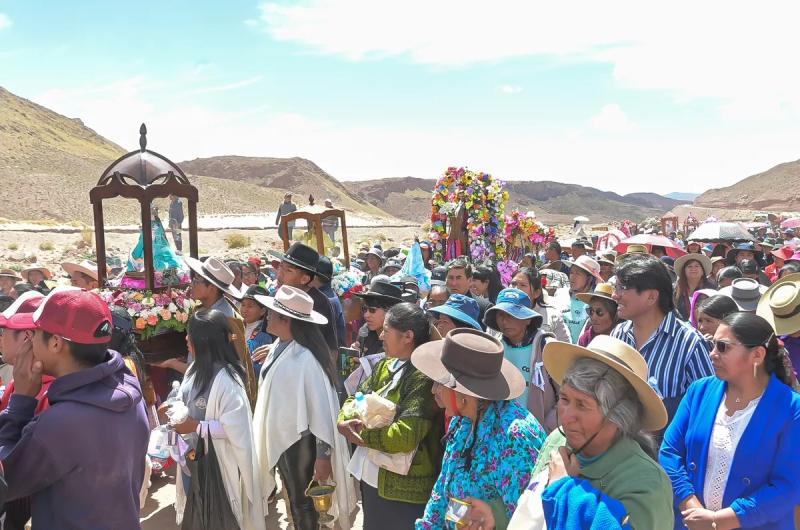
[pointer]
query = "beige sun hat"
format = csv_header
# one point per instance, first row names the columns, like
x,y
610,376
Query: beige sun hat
x,y
216,272
37,267
87,267
10,273
601,290
589,265
470,362
620,357
780,305
293,303
684,260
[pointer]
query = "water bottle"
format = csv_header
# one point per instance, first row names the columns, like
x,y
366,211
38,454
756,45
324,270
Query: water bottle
x,y
175,393
360,405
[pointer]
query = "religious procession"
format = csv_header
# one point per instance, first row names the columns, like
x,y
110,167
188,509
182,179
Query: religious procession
x,y
489,375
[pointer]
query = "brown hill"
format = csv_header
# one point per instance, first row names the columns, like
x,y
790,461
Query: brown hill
x,y
553,202
777,189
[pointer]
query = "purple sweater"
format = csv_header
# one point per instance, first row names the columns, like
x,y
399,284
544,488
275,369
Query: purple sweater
x,y
82,460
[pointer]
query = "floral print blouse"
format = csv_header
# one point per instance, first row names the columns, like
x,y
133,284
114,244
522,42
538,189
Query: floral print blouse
x,y
502,455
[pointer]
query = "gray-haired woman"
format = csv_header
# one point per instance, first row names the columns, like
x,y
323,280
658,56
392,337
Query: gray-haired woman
x,y
597,470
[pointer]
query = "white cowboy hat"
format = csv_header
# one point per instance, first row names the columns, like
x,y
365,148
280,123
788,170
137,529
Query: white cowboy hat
x,y
37,267
216,272
589,265
702,259
620,357
86,267
293,303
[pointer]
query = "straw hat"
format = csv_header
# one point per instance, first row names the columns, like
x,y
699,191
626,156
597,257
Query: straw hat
x,y
216,272
780,305
10,273
634,248
470,362
620,357
601,290
37,267
589,265
684,260
86,267
293,303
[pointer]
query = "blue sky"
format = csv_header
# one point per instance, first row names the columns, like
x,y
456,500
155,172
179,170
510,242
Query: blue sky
x,y
617,95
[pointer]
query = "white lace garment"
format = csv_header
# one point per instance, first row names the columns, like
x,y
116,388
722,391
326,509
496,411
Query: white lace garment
x,y
725,438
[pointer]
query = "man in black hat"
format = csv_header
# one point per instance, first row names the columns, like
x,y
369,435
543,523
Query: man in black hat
x,y
297,269
380,297
322,281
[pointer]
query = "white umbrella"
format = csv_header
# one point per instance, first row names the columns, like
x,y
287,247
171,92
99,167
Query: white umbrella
x,y
581,219
719,232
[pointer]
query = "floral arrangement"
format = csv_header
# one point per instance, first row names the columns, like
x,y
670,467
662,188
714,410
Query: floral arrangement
x,y
523,231
506,270
346,283
483,199
152,313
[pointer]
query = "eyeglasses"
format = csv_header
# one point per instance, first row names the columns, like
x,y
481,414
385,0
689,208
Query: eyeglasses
x,y
370,309
722,346
619,288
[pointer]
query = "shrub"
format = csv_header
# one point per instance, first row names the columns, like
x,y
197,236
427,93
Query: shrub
x,y
86,239
13,246
46,245
237,240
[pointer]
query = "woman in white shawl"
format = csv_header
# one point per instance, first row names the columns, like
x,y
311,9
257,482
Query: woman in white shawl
x,y
219,411
296,410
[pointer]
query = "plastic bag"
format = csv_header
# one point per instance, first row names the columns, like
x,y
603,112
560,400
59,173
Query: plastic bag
x,y
158,445
379,411
207,504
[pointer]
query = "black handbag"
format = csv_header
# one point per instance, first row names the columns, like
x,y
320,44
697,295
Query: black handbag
x,y
207,504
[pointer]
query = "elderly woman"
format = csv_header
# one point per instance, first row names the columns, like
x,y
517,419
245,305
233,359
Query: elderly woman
x,y
492,441
731,450
583,276
602,312
394,500
597,470
692,271
528,280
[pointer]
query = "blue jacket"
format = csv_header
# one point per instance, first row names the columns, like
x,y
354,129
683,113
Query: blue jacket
x,y
764,482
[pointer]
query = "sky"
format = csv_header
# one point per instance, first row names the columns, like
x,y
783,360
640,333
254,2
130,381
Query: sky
x,y
626,96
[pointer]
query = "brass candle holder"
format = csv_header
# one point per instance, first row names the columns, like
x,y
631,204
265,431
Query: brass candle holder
x,y
322,495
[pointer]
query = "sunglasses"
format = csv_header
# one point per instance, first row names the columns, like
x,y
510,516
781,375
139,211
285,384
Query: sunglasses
x,y
591,311
370,309
722,346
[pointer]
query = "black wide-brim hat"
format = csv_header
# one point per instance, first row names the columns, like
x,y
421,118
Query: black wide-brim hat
x,y
382,292
301,256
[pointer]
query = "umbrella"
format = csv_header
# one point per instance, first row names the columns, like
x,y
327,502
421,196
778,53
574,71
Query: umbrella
x,y
610,239
755,225
581,219
650,240
794,222
721,232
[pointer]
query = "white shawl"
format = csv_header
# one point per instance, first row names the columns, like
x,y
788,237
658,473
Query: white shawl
x,y
296,396
228,404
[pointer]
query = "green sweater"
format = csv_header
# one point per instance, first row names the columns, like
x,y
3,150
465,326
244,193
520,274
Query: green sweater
x,y
418,424
626,473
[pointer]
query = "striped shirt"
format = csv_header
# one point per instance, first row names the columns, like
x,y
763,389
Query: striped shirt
x,y
676,355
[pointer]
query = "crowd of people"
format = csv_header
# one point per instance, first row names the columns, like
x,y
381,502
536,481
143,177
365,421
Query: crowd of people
x,y
594,390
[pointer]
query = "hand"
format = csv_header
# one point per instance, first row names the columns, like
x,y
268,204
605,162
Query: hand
x,y
27,371
563,464
356,346
172,364
322,470
260,353
350,429
698,518
479,516
187,427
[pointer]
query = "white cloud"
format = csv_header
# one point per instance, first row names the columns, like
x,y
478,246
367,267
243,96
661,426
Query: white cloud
x,y
740,53
229,86
612,119
5,22
510,89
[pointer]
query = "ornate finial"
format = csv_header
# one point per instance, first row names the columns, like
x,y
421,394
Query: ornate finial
x,y
143,137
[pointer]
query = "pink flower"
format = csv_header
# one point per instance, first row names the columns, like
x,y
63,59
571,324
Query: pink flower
x,y
152,320
165,314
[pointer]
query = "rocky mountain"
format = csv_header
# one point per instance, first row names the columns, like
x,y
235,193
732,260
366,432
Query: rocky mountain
x,y
553,202
777,189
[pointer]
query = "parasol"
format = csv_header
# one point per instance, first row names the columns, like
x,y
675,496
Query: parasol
x,y
720,232
755,225
650,240
610,239
581,219
794,222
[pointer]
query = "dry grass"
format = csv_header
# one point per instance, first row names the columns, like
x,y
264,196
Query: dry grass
x,y
13,246
46,246
86,239
237,240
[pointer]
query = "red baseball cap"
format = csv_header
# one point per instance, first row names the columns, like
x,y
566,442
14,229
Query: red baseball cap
x,y
78,315
27,302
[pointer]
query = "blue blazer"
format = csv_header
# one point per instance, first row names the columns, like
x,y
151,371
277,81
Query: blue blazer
x,y
764,482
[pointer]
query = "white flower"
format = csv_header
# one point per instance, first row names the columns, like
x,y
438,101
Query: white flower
x,y
131,311
172,307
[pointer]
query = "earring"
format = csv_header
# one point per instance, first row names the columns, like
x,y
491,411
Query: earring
x,y
755,370
463,401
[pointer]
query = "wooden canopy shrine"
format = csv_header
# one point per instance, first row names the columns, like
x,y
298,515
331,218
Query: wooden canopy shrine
x,y
313,217
142,175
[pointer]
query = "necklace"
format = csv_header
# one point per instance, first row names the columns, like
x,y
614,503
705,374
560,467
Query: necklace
x,y
738,400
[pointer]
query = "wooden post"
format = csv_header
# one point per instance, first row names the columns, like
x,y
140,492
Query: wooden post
x,y
320,237
147,240
345,246
193,245
100,243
